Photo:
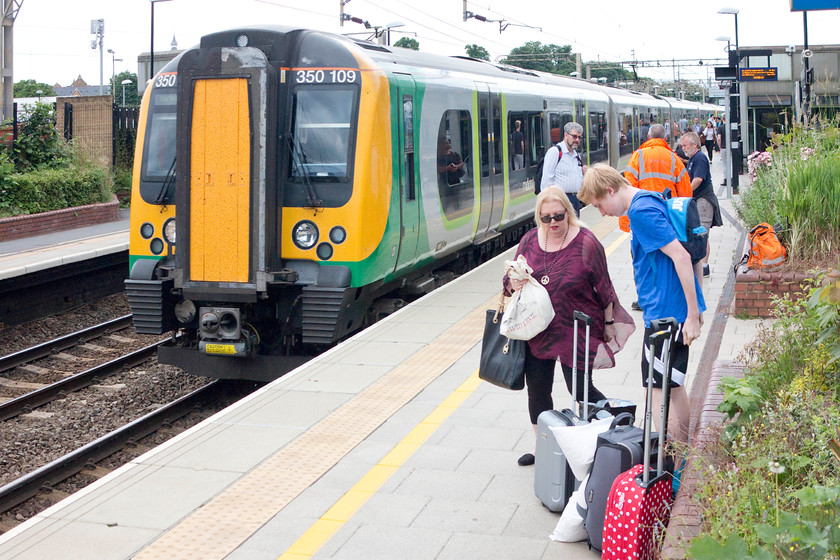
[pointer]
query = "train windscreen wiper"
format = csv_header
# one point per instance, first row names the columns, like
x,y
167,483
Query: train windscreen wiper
x,y
312,199
162,197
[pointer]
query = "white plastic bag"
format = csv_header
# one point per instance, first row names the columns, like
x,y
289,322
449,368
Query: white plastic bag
x,y
529,311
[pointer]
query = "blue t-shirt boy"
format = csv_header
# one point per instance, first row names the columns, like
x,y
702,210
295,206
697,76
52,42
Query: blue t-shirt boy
x,y
657,283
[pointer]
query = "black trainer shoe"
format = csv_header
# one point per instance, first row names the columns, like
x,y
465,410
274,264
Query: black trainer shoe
x,y
526,460
705,271
635,306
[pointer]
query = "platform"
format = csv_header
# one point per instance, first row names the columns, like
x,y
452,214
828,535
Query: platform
x,y
386,446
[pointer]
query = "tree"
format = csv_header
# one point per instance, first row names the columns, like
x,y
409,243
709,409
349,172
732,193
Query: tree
x,y
613,72
29,88
408,43
533,55
477,51
132,98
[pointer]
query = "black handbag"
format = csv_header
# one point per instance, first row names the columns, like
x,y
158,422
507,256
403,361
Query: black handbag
x,y
502,359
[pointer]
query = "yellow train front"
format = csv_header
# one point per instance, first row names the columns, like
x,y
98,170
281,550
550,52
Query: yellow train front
x,y
276,200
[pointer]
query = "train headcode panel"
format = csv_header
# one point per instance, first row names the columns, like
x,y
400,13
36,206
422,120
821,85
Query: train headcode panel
x,y
759,74
325,75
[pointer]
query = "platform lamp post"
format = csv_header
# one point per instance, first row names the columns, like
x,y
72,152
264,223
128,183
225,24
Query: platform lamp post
x,y
124,83
727,111
114,60
734,136
152,46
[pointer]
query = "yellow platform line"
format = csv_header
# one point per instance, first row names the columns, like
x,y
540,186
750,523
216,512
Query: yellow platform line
x,y
322,530
617,243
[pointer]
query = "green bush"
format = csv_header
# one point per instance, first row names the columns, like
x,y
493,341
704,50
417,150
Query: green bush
x,y
795,185
54,189
39,144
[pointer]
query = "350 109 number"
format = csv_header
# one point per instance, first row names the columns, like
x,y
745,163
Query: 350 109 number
x,y
325,76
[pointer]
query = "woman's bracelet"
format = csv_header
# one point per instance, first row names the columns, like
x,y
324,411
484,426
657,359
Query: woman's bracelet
x,y
612,322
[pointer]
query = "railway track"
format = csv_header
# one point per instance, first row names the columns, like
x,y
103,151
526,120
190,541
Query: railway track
x,y
49,475
70,427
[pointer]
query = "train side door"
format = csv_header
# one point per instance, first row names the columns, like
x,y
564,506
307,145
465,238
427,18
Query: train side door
x,y
407,163
491,191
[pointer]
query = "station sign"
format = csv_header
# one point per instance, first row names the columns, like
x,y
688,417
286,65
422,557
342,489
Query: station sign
x,y
759,74
716,91
808,5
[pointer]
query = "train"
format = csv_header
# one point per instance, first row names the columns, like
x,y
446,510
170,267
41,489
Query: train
x,y
291,186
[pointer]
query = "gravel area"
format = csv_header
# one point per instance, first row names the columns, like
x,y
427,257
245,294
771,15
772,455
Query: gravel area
x,y
20,337
30,441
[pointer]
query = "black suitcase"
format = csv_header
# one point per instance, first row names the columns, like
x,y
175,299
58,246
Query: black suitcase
x,y
554,481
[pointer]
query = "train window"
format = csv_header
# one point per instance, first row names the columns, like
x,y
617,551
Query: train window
x,y
555,128
157,174
580,118
455,163
517,128
598,137
321,133
496,102
536,144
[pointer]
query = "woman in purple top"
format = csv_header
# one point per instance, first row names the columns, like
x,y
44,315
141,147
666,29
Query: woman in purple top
x,y
570,262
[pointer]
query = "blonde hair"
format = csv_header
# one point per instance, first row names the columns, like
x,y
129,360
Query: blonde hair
x,y
596,181
555,193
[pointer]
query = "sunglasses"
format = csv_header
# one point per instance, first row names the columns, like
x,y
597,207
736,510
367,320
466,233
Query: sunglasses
x,y
559,217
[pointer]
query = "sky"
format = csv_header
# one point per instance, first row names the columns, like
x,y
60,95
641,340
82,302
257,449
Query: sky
x,y
52,38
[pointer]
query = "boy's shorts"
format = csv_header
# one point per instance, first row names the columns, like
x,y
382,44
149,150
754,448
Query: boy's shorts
x,y
679,361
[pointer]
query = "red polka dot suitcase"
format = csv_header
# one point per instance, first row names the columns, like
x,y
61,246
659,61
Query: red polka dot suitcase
x,y
636,517
639,502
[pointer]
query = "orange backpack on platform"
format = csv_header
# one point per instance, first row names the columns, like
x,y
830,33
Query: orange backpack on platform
x,y
765,248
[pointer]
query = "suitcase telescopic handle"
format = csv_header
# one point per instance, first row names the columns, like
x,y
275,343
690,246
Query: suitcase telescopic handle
x,y
583,408
581,316
655,340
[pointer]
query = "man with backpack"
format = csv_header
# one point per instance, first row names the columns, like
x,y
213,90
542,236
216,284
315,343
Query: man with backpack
x,y
702,187
562,166
664,276
654,167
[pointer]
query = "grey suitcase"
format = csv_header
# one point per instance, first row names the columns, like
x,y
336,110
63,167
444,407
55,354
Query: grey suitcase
x,y
554,481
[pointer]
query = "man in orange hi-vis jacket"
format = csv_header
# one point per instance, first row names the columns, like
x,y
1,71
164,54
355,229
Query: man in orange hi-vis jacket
x,y
655,167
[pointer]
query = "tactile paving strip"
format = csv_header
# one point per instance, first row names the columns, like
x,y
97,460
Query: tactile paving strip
x,y
221,525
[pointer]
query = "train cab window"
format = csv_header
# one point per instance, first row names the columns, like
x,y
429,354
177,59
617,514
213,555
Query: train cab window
x,y
455,163
320,144
157,175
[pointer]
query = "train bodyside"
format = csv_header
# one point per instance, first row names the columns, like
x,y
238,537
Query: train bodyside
x,y
311,189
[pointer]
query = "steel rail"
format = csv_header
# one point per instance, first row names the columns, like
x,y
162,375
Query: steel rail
x,y
45,349
30,401
29,485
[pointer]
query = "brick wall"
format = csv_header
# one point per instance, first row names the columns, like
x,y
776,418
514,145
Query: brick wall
x,y
31,225
92,124
684,524
755,290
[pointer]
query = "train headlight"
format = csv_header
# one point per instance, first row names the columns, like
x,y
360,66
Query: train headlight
x,y
337,235
324,251
305,234
169,231
185,311
156,246
147,230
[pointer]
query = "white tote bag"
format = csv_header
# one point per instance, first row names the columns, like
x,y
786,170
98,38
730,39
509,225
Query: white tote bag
x,y
529,311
